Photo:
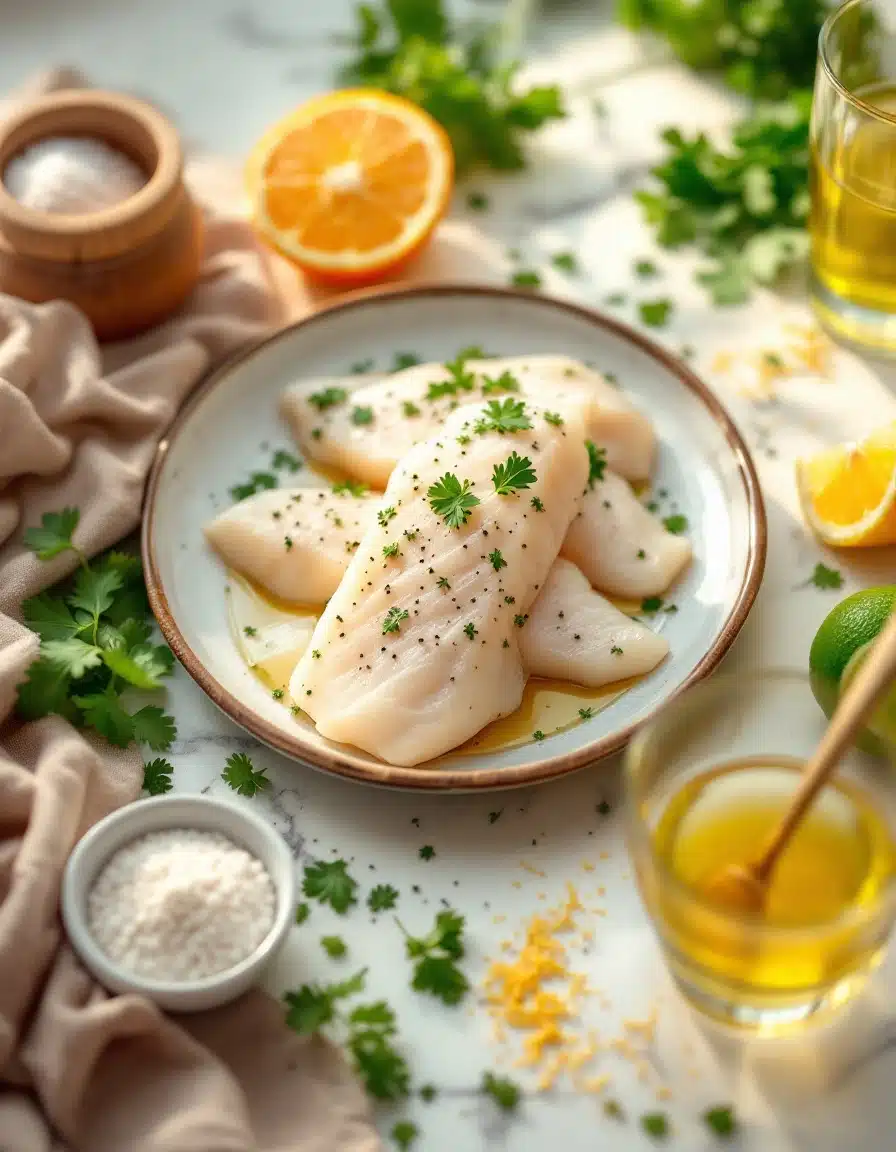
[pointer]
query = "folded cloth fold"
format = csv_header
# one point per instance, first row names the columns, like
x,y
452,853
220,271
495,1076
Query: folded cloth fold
x,y
79,1070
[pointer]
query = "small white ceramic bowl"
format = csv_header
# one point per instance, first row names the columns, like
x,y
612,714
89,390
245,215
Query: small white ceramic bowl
x,y
153,815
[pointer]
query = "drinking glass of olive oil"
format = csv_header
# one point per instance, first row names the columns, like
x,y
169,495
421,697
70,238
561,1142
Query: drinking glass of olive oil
x,y
852,175
707,782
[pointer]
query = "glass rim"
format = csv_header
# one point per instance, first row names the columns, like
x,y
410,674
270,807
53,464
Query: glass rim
x,y
886,898
824,36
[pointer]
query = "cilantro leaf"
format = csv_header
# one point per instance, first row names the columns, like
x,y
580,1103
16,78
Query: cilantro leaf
x,y
440,977
655,313
405,1134
143,666
285,461
154,727
597,463
49,616
334,946
496,559
515,473
94,590
103,712
257,482
331,884
313,1006
157,776
302,912
54,535
382,898
242,775
452,500
328,397
503,416
383,1069
722,1121
44,691
506,382
504,1092
566,262
825,578
73,654
525,278
393,619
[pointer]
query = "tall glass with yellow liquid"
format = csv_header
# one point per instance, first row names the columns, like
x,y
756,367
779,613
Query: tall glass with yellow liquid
x,y
707,782
852,175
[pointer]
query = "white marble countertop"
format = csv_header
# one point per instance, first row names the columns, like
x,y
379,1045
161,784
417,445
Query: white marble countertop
x,y
224,69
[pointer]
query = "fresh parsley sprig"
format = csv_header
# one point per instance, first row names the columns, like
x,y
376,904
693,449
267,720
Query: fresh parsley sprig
x,y
435,958
330,883
452,500
515,473
242,775
503,416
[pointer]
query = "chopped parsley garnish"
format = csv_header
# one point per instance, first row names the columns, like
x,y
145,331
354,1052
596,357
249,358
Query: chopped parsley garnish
x,y
315,653
516,472
615,299
538,734
404,1133
382,898
242,775
494,817
284,461
676,524
554,418
506,382
287,543
442,582
157,776
615,650
334,946
641,554
404,360
613,1110
656,1125
504,1092
597,463
391,550
362,415
328,398
471,631
409,409
350,488
496,560
510,599
316,433
452,500
503,416
303,911
478,201
525,278
655,313
825,578
250,631
360,367
537,504
604,808
330,883
645,269
257,482
586,713
385,515
651,604
722,1121
428,1093
566,262
520,620
426,852
277,693
435,956
393,619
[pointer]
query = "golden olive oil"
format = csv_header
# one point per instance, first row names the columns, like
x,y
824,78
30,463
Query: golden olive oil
x,y
852,222
811,932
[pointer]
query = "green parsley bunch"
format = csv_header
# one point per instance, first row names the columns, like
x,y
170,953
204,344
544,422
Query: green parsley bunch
x,y
408,47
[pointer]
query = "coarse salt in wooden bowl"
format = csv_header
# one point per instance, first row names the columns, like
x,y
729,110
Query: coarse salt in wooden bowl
x,y
126,265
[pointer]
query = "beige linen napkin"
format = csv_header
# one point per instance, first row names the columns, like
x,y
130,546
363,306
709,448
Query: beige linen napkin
x,y
80,1070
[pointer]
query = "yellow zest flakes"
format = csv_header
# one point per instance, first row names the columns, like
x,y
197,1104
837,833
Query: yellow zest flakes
x,y
587,866
499,919
596,1084
531,868
645,1028
536,993
805,351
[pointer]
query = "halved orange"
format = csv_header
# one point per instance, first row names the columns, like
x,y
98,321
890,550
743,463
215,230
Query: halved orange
x,y
351,184
848,493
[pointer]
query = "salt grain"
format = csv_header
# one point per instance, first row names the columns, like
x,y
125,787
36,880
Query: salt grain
x,y
181,905
76,175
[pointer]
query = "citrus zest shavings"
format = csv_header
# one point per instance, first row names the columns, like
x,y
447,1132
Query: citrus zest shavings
x,y
806,352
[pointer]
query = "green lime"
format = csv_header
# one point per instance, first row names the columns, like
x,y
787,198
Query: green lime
x,y
835,656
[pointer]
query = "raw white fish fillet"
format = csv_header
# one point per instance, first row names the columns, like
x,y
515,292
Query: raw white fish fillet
x,y
293,542
573,633
452,664
366,432
621,547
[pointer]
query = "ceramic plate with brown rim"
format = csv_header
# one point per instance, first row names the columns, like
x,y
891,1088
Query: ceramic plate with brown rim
x,y
231,430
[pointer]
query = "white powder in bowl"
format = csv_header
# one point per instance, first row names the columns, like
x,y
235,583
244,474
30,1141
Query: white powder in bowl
x,y
72,174
180,905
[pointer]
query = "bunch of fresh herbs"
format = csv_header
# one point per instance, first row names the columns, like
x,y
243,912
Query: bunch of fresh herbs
x,y
96,646
744,207
409,48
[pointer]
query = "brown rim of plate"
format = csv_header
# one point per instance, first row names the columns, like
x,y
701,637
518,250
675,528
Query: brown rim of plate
x,y
347,762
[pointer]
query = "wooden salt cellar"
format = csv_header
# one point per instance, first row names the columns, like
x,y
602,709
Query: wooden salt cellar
x,y
127,267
